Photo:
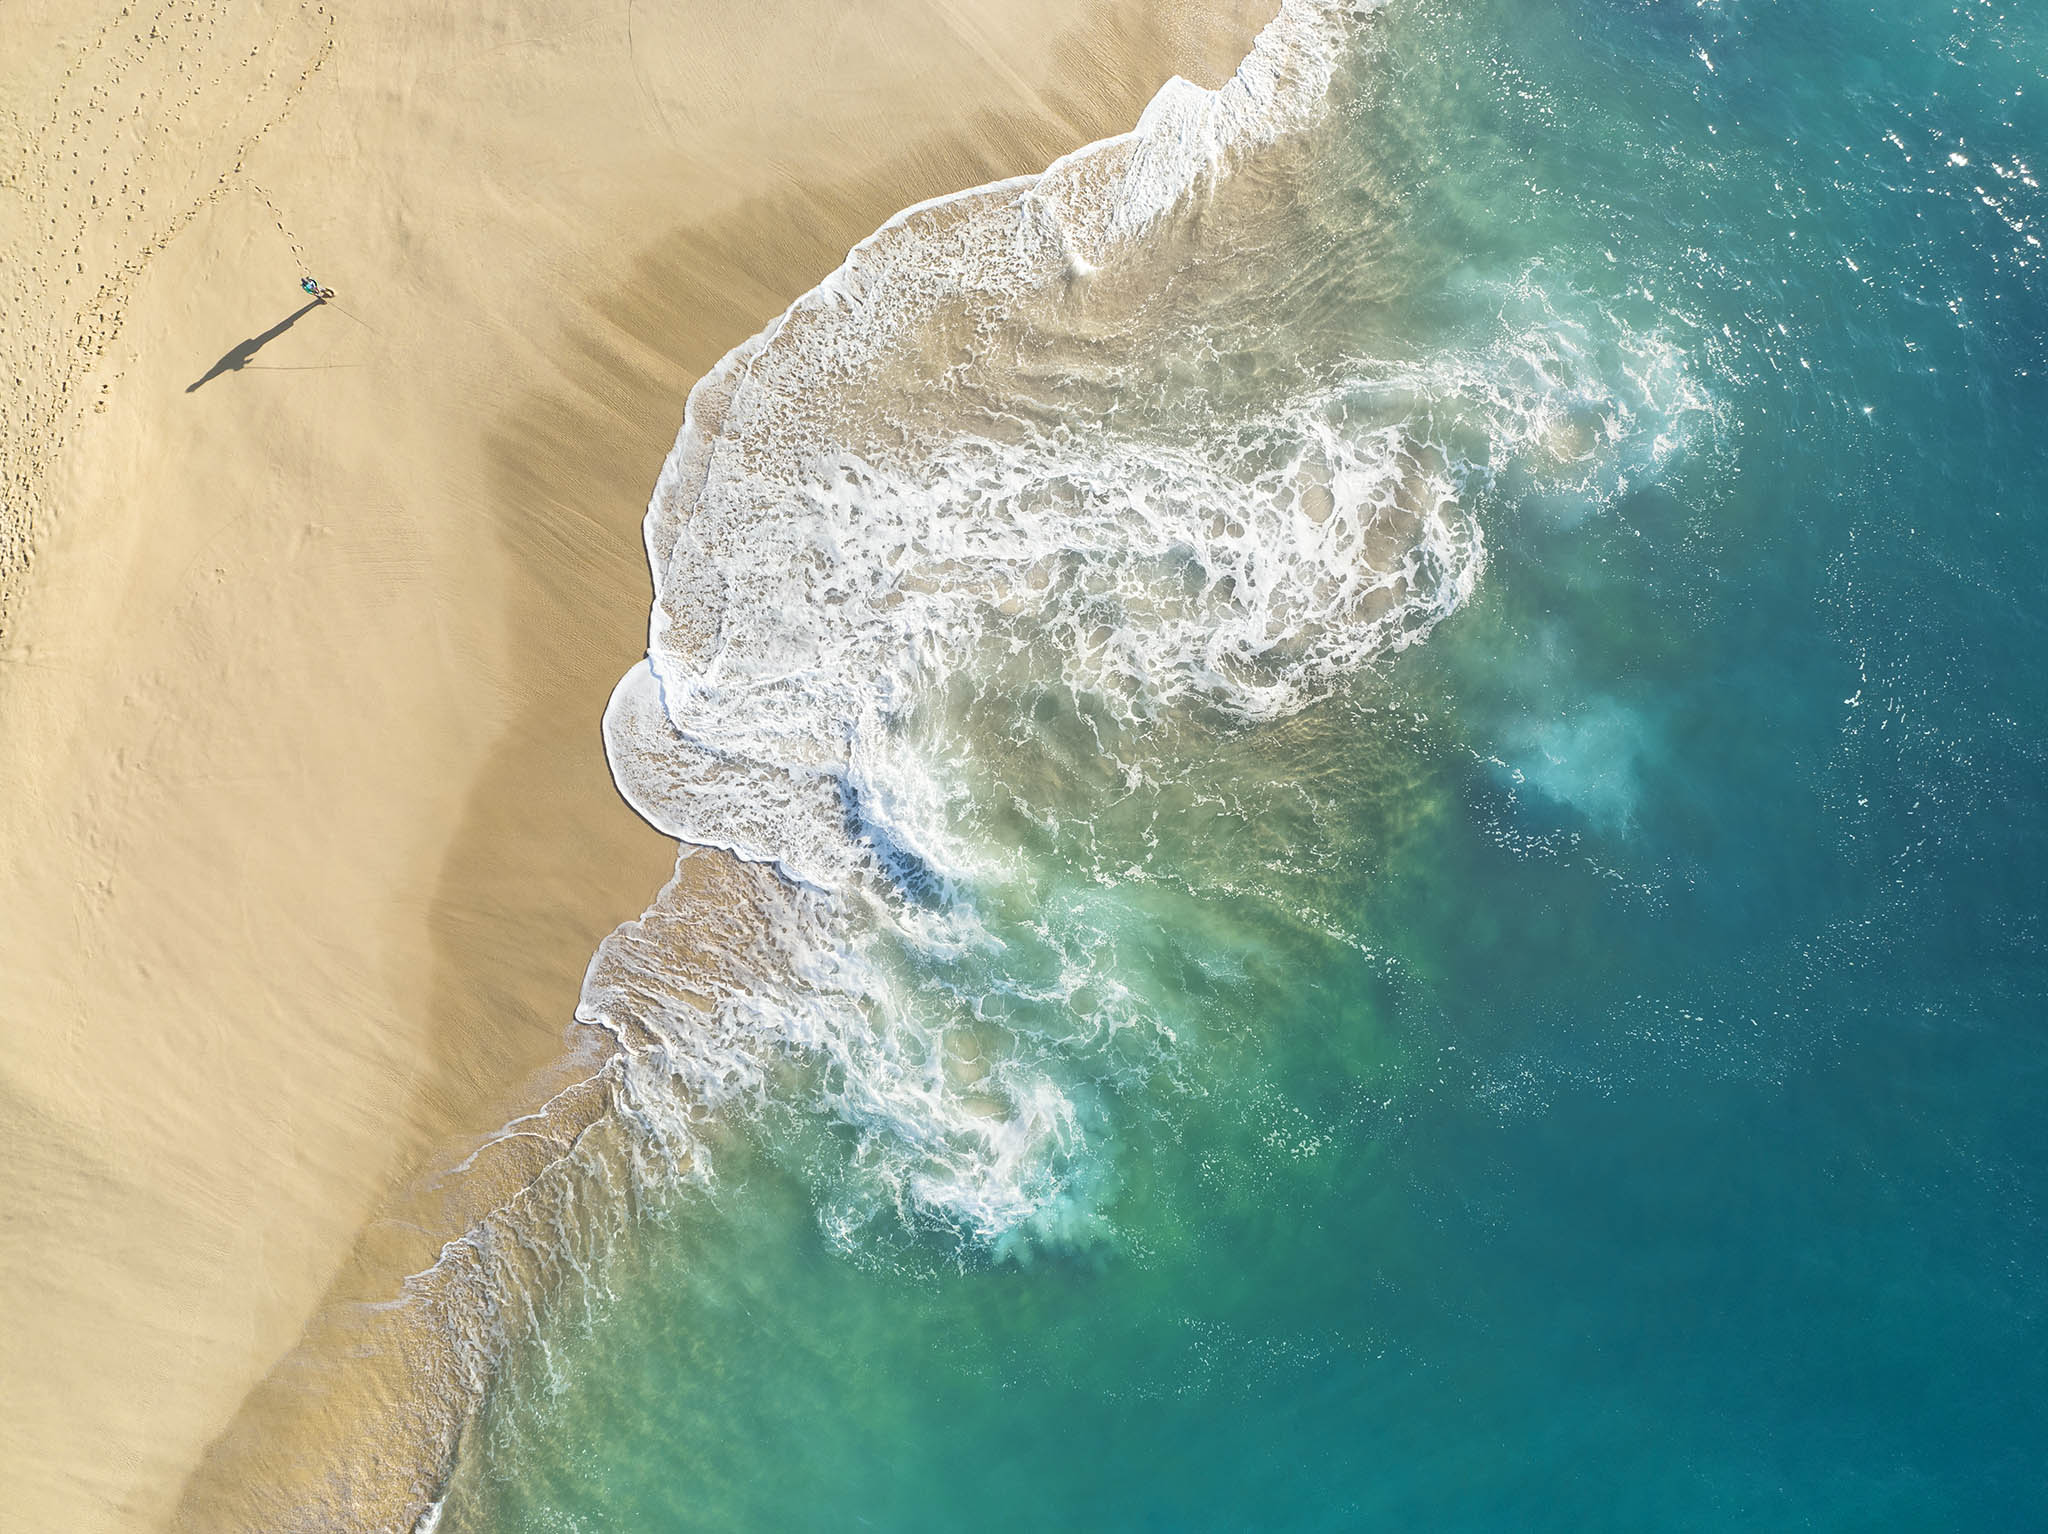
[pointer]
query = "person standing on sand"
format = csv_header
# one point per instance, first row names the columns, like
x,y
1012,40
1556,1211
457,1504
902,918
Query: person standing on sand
x,y
319,293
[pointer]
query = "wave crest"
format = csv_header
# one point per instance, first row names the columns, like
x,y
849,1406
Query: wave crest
x,y
1021,439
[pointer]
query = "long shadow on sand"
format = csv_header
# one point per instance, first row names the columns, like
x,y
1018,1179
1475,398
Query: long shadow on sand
x,y
237,356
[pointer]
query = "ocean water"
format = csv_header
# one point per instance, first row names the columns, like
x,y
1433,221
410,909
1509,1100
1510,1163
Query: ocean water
x,y
1389,742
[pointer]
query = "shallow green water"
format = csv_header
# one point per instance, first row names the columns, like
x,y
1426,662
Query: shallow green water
x,y
1587,1072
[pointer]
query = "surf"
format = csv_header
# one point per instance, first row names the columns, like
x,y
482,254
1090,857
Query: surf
x,y
1074,442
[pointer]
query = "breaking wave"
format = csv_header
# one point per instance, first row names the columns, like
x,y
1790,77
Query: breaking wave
x,y
1046,474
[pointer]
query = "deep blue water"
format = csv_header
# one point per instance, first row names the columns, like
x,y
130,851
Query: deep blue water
x,y
1609,1036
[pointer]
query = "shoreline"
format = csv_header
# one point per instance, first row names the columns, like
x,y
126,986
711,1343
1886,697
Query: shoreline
x,y
310,897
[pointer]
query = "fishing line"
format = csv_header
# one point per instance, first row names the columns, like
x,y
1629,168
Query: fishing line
x,y
299,251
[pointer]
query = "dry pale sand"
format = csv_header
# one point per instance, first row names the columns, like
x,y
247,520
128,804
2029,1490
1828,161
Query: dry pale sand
x,y
305,833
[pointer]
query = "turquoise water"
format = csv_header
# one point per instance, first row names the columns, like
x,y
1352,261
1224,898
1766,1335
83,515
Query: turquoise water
x,y
1578,1071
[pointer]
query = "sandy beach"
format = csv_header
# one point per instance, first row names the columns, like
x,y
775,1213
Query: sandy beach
x,y
308,611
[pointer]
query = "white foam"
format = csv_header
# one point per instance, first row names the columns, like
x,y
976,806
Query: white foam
x,y
969,450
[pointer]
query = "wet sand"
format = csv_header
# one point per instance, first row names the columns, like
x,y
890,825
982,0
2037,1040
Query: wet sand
x,y
307,615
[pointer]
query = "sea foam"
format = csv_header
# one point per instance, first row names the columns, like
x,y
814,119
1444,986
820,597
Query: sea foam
x,y
1020,439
